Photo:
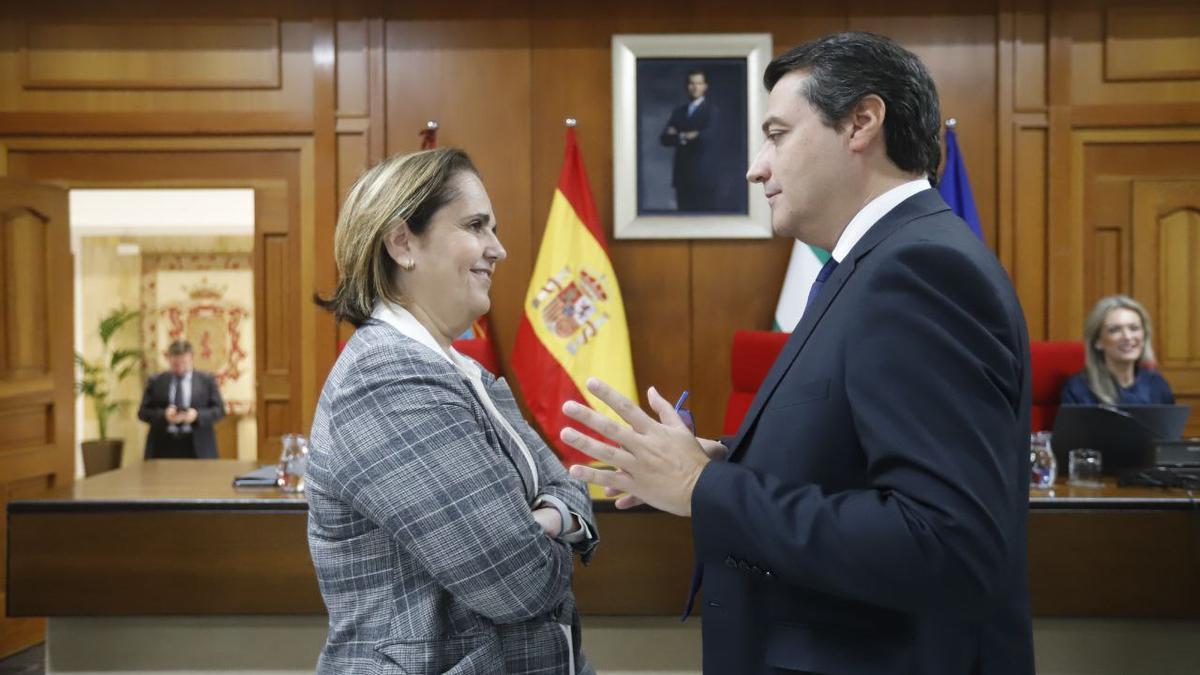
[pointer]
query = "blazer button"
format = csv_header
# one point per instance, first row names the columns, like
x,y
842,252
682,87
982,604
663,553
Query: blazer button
x,y
769,574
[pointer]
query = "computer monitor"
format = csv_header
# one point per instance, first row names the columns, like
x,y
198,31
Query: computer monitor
x,y
1124,435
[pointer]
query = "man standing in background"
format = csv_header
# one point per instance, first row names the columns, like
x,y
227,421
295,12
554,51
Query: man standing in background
x,y
181,405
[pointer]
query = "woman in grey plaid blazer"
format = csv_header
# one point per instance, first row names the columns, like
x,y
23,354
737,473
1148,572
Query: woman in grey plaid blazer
x,y
441,527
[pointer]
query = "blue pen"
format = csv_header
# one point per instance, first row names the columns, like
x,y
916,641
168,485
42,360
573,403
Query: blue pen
x,y
684,413
682,398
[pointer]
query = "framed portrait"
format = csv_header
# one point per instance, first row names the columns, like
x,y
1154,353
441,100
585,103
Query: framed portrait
x,y
686,116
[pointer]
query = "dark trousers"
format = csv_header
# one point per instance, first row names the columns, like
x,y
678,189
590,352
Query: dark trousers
x,y
175,446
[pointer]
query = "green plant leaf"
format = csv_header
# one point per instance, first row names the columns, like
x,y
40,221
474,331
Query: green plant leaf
x,y
114,321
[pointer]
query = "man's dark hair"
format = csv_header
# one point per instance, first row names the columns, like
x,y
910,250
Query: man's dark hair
x,y
179,347
697,71
845,67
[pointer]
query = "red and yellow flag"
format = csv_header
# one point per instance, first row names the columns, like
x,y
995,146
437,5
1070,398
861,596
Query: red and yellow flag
x,y
573,325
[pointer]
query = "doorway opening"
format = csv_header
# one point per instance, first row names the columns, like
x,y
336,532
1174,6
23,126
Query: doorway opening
x,y
182,260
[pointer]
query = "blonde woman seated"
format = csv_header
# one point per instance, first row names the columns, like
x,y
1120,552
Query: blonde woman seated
x,y
1118,366
441,527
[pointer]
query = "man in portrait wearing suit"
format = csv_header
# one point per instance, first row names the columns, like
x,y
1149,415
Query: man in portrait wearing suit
x,y
181,405
691,131
869,516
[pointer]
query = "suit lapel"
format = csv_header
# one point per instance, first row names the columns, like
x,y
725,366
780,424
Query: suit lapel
x,y
923,203
791,348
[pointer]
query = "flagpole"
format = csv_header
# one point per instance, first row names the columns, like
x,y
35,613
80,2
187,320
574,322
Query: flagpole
x,y
428,135
570,122
951,123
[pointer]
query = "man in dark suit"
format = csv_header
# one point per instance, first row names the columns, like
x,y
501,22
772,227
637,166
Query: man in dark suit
x,y
181,405
871,514
691,131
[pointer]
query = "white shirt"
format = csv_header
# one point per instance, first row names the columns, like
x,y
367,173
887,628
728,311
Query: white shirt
x,y
693,105
870,214
187,390
186,396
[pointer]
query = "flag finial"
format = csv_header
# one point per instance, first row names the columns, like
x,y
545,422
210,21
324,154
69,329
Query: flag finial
x,y
570,122
431,124
951,123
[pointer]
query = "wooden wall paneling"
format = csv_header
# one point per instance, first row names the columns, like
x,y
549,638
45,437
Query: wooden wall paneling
x,y
352,67
70,79
318,272
1030,38
1006,92
37,417
1029,207
1166,223
1151,52
958,44
151,54
468,67
1152,43
1107,268
23,240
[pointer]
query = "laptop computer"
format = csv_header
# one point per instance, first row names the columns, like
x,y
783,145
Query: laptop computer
x,y
1125,435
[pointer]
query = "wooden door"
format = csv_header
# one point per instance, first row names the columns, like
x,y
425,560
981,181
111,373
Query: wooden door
x,y
1166,277
37,419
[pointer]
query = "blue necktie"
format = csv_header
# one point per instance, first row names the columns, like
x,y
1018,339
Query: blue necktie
x,y
822,276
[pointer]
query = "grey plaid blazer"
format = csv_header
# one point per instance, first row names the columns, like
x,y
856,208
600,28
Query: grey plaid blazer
x,y
427,555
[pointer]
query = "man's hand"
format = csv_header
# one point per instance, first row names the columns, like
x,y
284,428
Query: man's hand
x,y
189,416
550,520
657,462
171,414
715,450
671,131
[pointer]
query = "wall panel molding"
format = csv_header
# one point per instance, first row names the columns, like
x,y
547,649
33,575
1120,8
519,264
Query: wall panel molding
x,y
151,54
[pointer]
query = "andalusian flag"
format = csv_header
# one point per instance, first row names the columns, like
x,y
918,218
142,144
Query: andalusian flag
x,y
573,326
801,273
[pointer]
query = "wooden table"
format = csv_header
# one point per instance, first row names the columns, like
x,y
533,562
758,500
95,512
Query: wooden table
x,y
174,537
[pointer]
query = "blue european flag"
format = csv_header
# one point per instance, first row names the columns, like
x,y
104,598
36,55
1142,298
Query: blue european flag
x,y
954,186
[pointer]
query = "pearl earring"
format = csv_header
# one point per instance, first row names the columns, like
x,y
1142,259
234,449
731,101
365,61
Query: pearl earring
x,y
408,265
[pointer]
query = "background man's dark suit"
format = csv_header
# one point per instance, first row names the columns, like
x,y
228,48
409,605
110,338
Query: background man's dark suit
x,y
872,516
206,399
694,174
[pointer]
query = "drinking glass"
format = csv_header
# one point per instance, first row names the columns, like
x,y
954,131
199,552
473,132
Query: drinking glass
x,y
1084,468
1043,466
293,462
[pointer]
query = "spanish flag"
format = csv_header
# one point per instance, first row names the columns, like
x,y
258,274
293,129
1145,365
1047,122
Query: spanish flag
x,y
573,325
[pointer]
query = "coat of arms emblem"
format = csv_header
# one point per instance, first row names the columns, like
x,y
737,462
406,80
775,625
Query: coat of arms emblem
x,y
572,306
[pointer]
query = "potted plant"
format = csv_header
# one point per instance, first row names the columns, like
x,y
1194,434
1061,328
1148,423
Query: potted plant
x,y
98,381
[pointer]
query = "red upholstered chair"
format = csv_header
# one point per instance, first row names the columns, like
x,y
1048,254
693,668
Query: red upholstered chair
x,y
753,353
1052,363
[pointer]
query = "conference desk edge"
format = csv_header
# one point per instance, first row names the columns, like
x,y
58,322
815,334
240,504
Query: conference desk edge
x,y
80,551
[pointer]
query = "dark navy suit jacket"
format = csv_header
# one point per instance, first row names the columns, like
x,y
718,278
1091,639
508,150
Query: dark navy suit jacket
x,y
206,399
694,170
1148,388
872,516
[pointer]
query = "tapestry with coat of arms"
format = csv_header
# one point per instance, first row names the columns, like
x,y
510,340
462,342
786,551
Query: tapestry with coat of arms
x,y
208,300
